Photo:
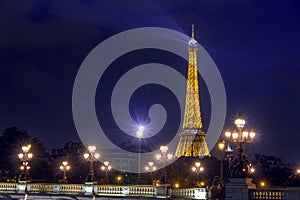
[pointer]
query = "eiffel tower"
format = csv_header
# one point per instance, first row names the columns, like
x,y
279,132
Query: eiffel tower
x,y
192,141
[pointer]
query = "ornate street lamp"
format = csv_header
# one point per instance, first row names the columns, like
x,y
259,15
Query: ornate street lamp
x,y
198,169
119,179
164,157
91,156
139,135
240,167
221,147
25,156
106,167
64,167
150,168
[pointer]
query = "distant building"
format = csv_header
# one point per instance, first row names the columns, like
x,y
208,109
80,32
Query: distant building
x,y
70,149
268,163
122,161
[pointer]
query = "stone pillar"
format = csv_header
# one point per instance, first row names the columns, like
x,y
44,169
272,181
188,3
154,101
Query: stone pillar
x,y
88,188
163,191
238,188
21,187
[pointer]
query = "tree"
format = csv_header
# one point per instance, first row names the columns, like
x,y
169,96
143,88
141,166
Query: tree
x,y
11,142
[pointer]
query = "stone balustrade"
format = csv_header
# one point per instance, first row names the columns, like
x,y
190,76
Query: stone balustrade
x,y
264,193
102,190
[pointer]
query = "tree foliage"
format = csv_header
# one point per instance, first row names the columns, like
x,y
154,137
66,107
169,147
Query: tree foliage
x,y
11,143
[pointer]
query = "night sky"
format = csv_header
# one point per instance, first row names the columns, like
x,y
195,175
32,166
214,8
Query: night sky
x,y
255,45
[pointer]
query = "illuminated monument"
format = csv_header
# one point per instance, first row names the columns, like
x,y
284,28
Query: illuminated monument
x,y
192,141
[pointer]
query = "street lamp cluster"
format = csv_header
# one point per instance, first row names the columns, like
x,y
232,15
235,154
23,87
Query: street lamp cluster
x,y
91,156
25,156
64,167
240,166
106,167
197,168
150,167
164,156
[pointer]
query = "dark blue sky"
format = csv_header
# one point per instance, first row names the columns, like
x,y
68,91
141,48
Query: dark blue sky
x,y
255,45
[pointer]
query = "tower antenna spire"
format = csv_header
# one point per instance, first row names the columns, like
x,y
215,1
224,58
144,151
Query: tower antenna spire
x,y
193,31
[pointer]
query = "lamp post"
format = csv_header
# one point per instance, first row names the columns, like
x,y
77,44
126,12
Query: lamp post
x,y
119,179
91,156
106,167
64,167
139,135
150,168
164,156
25,156
198,169
221,147
240,167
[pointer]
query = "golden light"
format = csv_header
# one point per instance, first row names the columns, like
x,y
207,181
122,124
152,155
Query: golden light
x,y
119,178
20,155
221,146
262,184
240,121
65,163
106,163
252,134
97,155
92,149
139,134
169,156
245,134
202,183
86,155
103,167
235,135
194,169
154,168
227,134
176,185
68,167
252,170
150,164
298,171
197,164
201,169
147,168
61,167
26,148
30,155
158,156
22,167
164,149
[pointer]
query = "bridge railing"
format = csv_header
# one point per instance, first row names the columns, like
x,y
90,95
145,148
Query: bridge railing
x,y
266,193
194,193
102,190
8,187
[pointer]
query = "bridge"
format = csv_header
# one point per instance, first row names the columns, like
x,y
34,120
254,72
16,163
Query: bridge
x,y
25,190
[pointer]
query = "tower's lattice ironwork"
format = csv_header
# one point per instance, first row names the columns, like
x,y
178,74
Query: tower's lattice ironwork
x,y
192,139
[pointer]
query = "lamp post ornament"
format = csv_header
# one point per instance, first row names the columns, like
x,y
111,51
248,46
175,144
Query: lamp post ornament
x,y
240,166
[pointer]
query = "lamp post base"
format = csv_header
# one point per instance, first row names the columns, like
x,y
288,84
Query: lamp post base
x,y
163,191
238,188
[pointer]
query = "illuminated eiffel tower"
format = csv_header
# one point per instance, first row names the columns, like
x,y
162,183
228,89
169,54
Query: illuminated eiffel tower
x,y
192,141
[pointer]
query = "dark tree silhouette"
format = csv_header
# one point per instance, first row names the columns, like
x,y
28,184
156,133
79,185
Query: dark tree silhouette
x,y
11,142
